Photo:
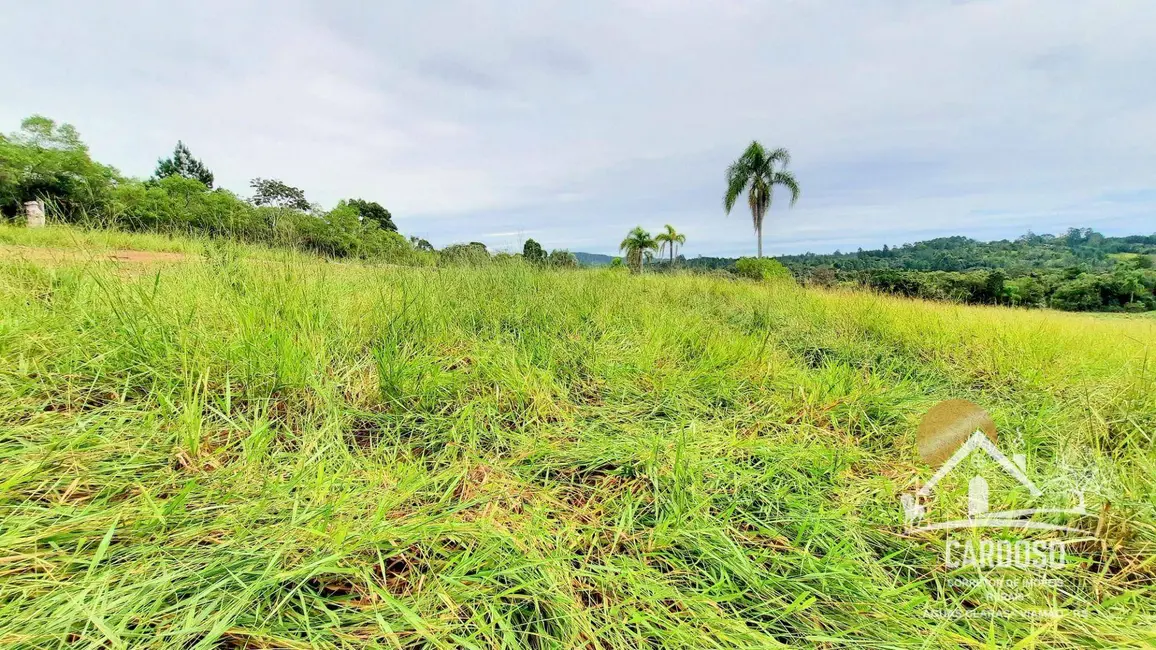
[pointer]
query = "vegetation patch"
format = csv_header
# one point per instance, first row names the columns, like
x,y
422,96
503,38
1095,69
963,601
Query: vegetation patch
x,y
263,451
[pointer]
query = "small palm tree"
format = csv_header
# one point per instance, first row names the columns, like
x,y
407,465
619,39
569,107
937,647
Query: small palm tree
x,y
669,238
757,172
637,243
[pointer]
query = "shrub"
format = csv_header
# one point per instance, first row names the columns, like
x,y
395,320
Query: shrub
x,y
472,254
178,204
761,268
562,259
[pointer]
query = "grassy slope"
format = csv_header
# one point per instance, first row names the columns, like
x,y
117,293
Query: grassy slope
x,y
18,239
75,238
235,454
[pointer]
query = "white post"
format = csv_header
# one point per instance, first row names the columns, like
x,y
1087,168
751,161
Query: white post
x,y
34,210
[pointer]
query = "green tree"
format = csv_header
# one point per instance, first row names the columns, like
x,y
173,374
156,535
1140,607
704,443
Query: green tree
x,y
636,245
562,259
182,164
336,233
373,212
1128,283
46,160
994,287
757,172
1080,294
669,238
824,276
274,193
533,252
421,244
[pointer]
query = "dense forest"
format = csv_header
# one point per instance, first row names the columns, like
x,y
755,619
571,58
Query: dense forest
x,y
1031,252
1080,270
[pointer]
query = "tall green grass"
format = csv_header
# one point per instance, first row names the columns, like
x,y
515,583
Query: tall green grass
x,y
298,454
96,239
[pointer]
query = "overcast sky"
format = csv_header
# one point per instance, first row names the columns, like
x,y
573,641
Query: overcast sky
x,y
573,122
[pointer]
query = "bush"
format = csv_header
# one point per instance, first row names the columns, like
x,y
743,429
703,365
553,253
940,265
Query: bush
x,y
180,205
472,254
562,259
761,268
504,257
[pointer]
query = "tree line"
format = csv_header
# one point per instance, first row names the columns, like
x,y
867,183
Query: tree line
x,y
49,162
1080,270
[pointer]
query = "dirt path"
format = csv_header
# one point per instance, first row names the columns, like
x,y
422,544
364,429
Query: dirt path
x,y
73,254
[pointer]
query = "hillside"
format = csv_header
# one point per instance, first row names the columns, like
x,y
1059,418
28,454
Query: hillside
x,y
593,259
228,451
1079,247
1081,270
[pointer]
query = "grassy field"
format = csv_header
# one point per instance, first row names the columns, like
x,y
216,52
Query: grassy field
x,y
64,237
240,454
78,243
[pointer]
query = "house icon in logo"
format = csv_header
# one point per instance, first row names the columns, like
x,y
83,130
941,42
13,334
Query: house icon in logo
x,y
950,433
977,490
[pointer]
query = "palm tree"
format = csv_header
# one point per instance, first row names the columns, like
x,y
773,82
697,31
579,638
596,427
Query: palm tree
x,y
637,243
757,172
671,238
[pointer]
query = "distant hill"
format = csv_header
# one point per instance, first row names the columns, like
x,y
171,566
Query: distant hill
x,y
593,259
1080,270
1079,247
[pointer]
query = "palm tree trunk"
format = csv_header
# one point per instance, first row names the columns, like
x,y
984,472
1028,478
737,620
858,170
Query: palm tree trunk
x,y
760,232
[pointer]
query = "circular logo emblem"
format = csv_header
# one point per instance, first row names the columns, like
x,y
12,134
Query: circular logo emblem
x,y
947,426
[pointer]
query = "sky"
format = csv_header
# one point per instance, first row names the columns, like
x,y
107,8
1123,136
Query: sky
x,y
572,122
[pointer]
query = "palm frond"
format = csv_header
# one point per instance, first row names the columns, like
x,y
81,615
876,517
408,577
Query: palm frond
x,y
637,240
780,156
787,180
739,175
